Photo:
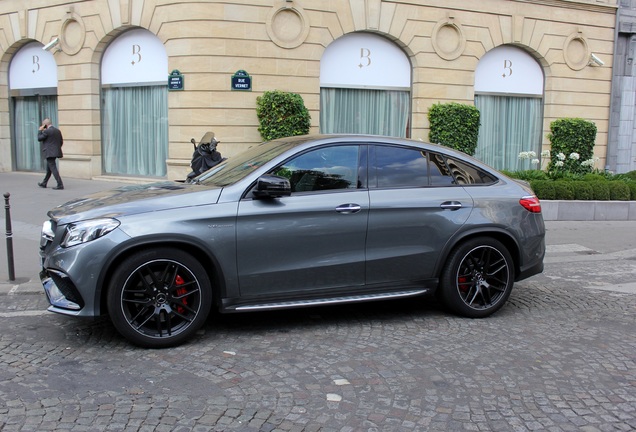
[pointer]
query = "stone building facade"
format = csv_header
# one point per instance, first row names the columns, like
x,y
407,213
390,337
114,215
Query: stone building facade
x,y
621,150
103,69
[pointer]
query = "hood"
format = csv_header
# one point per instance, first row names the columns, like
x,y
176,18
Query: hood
x,y
135,199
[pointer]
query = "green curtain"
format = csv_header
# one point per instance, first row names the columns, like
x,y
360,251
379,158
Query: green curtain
x,y
375,112
28,113
509,125
135,130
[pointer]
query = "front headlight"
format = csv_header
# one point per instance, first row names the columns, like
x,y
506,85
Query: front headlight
x,y
85,231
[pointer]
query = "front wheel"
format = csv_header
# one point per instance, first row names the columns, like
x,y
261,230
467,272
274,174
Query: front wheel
x,y
159,297
477,278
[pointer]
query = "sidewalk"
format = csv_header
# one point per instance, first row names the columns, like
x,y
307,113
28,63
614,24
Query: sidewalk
x,y
29,205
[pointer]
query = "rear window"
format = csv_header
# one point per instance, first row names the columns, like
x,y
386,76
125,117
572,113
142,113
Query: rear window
x,y
465,174
401,167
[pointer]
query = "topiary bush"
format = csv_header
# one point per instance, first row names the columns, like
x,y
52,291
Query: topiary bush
x,y
454,125
563,190
281,114
601,190
632,190
543,189
572,145
583,191
619,191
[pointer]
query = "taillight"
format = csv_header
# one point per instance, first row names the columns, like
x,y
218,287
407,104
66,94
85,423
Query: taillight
x,y
531,203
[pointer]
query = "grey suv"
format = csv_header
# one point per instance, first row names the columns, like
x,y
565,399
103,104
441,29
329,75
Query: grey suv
x,y
302,221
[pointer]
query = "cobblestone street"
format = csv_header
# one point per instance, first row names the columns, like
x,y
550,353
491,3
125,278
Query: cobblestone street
x,y
560,357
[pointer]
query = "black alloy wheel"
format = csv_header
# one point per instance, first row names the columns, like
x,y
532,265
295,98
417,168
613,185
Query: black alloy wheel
x,y
478,278
159,298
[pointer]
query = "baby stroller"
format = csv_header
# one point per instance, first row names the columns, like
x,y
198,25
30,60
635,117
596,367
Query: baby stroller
x,y
205,156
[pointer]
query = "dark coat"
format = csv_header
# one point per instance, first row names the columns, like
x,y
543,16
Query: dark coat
x,y
51,139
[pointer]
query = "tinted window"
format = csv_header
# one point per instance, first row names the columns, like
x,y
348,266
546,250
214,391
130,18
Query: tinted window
x,y
327,168
440,174
466,174
400,167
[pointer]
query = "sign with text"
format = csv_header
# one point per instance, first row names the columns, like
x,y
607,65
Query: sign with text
x,y
175,80
241,81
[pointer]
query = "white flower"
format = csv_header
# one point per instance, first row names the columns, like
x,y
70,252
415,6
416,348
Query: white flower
x,y
559,163
589,162
574,156
561,156
532,154
535,161
545,154
523,155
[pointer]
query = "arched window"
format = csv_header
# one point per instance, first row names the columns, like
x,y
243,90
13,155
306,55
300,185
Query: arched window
x,y
509,96
33,90
365,83
135,105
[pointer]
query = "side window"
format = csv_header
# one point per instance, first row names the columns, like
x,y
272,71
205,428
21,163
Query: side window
x,y
326,168
440,174
400,167
465,174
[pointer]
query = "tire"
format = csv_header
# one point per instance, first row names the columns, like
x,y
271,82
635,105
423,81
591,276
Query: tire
x,y
159,297
477,278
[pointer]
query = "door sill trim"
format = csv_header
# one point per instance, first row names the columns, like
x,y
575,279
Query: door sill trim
x,y
329,301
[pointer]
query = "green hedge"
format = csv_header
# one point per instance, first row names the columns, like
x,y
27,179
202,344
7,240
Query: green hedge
x,y
454,125
632,190
568,136
599,190
619,191
281,114
600,186
544,189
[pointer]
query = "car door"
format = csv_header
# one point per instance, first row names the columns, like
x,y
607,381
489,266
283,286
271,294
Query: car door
x,y
411,217
312,241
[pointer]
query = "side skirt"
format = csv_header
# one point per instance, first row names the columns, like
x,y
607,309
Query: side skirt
x,y
288,304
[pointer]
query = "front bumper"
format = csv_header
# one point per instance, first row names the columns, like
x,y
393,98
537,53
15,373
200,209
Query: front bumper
x,y
61,293
71,276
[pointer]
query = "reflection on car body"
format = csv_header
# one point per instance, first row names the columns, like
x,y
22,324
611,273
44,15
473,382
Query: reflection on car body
x,y
301,221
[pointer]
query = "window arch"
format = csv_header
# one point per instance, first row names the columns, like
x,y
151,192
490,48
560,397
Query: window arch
x,y
365,83
33,90
135,105
509,95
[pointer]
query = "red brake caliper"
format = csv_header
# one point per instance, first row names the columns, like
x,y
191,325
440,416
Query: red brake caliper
x,y
462,281
181,291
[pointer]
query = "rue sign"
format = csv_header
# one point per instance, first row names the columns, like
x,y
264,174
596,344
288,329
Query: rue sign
x,y
175,80
241,81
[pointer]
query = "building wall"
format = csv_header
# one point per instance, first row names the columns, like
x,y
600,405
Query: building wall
x,y
621,151
280,44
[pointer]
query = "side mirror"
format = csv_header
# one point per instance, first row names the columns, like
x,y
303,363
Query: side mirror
x,y
272,186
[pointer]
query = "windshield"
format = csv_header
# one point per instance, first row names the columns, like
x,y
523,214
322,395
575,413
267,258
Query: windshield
x,y
241,165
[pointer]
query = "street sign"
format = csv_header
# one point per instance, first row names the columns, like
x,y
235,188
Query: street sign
x,y
241,81
175,80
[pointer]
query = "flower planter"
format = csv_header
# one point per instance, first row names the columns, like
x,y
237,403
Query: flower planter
x,y
557,210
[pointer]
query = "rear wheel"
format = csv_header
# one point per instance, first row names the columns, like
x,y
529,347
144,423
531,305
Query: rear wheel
x,y
159,297
478,278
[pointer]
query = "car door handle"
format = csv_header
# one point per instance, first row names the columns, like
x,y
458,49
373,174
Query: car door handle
x,y
348,208
451,205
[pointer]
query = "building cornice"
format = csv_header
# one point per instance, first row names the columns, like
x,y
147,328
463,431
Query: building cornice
x,y
607,6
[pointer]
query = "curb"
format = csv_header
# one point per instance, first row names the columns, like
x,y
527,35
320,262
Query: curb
x,y
557,210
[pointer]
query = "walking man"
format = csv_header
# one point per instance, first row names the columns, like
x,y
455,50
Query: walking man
x,y
51,139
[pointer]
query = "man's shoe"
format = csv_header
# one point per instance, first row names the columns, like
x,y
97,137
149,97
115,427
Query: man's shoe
x,y
58,187
42,185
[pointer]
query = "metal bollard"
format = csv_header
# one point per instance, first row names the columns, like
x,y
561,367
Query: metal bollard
x,y
9,237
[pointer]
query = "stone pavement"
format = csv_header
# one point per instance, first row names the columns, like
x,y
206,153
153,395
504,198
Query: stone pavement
x,y
560,356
